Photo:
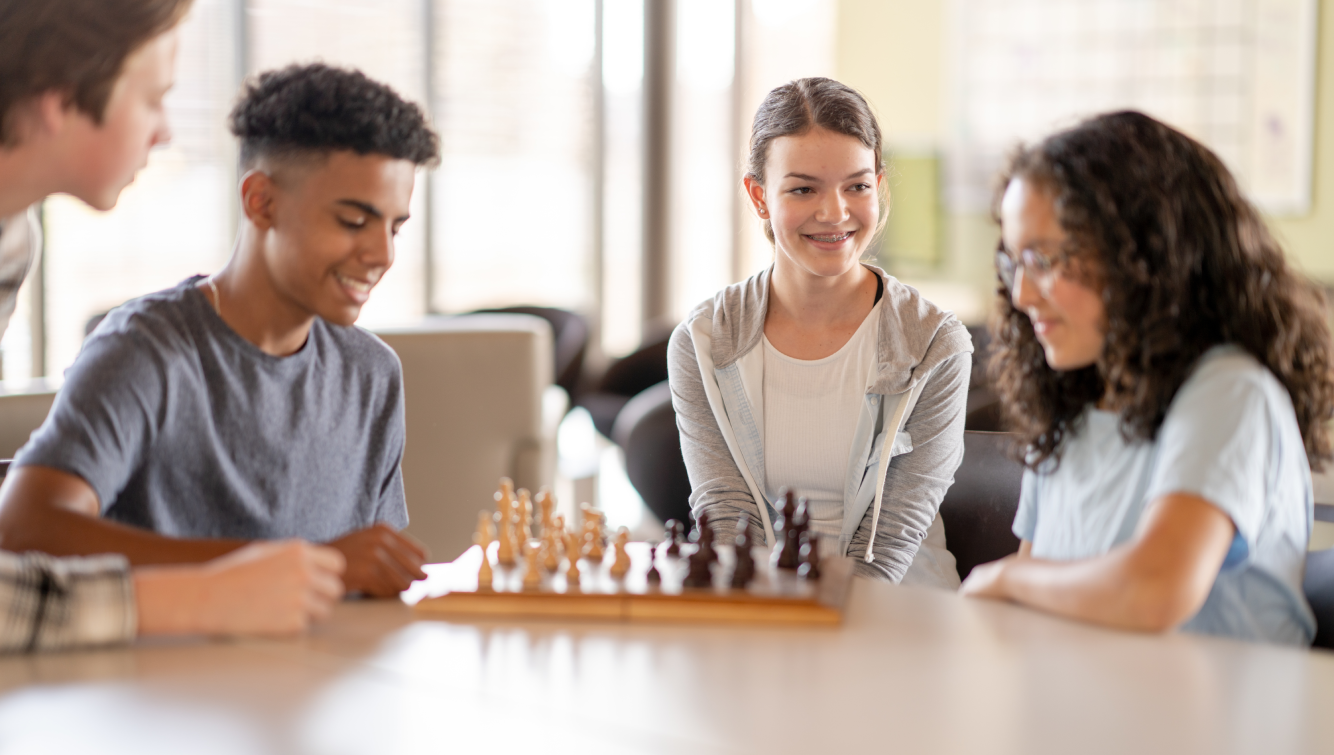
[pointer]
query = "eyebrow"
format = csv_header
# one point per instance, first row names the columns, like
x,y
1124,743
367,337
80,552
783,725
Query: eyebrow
x,y
804,177
370,209
367,208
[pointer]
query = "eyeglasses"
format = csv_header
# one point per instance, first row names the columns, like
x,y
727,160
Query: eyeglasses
x,y
1038,267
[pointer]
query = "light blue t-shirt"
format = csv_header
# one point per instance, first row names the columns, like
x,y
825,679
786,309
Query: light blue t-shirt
x,y
1230,437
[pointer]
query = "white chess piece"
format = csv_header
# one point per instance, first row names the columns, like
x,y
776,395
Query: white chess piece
x,y
621,564
572,555
532,575
485,534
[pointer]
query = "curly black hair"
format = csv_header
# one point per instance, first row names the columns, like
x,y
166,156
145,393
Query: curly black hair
x,y
1184,262
319,108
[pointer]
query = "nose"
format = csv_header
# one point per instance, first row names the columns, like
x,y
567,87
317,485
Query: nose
x,y
1024,292
379,249
833,208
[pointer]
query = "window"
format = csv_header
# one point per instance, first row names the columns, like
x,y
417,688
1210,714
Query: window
x,y
539,197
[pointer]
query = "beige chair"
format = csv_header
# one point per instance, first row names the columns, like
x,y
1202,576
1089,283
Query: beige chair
x,y
480,405
22,410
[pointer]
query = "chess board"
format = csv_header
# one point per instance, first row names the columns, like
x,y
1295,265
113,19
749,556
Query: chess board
x,y
775,596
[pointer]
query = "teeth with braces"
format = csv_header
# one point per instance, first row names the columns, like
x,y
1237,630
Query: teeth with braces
x,y
829,239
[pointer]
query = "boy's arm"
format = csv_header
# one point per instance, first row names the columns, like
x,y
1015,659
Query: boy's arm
x,y
381,562
1156,582
45,509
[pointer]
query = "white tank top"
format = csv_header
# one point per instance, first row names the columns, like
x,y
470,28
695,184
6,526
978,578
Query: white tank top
x,y
811,408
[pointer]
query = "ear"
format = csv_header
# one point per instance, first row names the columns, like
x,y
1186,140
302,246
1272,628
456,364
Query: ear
x,y
257,197
48,112
755,191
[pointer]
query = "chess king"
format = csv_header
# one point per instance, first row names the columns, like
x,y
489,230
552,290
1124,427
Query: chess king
x,y
823,373
245,405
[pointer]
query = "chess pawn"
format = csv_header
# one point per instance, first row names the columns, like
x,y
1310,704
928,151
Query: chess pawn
x,y
483,538
621,564
571,555
810,556
673,537
653,576
532,575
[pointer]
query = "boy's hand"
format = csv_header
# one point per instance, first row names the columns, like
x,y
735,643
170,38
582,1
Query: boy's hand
x,y
381,562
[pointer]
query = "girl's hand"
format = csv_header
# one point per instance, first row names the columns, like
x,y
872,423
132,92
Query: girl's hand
x,y
987,580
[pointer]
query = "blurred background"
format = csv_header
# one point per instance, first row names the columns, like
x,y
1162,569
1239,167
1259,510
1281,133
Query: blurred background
x,y
592,148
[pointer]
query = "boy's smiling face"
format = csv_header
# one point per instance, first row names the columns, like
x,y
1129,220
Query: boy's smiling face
x,y
331,223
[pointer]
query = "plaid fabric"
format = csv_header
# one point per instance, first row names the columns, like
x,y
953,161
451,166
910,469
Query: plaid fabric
x,y
49,603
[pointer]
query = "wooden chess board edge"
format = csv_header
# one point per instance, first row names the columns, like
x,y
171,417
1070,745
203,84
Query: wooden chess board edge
x,y
704,608
525,605
686,611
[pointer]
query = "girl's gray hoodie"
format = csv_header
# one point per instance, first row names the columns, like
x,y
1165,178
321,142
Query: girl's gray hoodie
x,y
917,392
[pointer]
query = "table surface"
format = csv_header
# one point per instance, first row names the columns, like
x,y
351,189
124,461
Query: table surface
x,y
911,670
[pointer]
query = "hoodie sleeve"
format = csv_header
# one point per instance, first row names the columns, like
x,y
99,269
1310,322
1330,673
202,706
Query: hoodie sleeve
x,y
716,484
916,481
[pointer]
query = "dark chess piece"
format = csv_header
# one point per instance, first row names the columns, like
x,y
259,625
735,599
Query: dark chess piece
x,y
674,529
790,536
810,556
701,524
789,510
706,540
653,576
744,571
701,571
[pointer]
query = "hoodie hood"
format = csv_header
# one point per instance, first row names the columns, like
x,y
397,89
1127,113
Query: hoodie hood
x,y
916,335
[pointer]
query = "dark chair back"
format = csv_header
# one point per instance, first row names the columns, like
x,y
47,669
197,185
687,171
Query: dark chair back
x,y
625,378
1319,585
646,431
979,507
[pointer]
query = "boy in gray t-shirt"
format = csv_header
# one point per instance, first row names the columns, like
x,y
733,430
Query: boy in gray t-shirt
x,y
246,405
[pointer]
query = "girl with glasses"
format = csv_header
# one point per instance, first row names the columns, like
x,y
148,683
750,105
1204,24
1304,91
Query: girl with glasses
x,y
821,373
1170,379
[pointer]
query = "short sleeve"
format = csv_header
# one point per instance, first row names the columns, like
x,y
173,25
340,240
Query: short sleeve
x,y
1216,441
393,505
1026,518
105,416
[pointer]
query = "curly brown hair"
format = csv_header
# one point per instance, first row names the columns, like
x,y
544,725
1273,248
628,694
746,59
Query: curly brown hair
x,y
1184,262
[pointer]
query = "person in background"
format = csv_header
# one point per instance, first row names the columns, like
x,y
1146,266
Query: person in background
x,y
246,405
81,104
1170,378
822,373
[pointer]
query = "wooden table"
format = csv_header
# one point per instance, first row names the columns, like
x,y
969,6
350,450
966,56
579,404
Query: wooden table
x,y
912,670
